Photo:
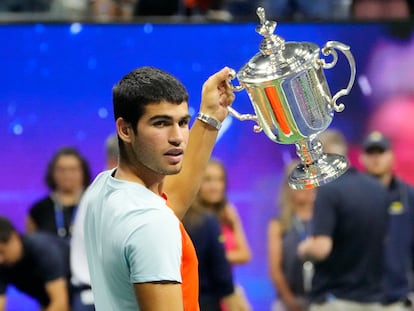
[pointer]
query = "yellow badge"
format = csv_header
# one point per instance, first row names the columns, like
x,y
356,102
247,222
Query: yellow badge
x,y
396,208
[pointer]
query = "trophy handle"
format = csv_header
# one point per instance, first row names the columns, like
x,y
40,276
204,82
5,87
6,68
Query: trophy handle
x,y
329,49
242,117
232,75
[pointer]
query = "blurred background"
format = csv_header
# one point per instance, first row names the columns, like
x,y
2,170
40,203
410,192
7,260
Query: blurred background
x,y
59,60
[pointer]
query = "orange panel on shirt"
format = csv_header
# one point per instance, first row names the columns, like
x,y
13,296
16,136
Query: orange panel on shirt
x,y
189,270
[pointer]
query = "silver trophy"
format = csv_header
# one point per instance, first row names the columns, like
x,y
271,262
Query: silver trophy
x,y
292,102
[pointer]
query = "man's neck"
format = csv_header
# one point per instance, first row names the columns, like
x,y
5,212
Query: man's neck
x,y
385,179
151,181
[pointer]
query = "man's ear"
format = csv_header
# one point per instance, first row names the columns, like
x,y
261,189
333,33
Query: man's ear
x,y
124,130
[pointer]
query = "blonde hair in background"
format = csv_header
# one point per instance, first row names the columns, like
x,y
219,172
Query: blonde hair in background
x,y
333,141
284,201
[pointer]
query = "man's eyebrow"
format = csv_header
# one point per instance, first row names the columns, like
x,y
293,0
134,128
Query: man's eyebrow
x,y
160,116
168,117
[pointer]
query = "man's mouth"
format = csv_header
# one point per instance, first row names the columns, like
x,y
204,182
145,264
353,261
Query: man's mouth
x,y
174,156
174,152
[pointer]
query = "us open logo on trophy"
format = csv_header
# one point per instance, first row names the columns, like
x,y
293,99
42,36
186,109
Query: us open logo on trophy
x,y
292,102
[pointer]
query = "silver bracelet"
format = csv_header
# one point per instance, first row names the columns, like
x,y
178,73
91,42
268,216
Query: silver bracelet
x,y
209,120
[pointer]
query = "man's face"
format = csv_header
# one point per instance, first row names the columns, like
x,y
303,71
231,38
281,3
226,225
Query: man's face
x,y
11,251
377,161
394,118
162,136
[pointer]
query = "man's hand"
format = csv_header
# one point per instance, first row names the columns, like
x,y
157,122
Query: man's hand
x,y
315,248
217,94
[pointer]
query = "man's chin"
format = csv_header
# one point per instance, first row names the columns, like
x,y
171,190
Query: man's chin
x,y
174,169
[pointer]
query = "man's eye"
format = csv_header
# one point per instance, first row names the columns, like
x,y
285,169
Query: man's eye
x,y
160,123
183,123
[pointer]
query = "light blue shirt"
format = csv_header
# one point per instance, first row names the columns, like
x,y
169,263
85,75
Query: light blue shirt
x,y
131,236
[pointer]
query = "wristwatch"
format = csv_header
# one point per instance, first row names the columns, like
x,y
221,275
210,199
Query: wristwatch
x,y
209,120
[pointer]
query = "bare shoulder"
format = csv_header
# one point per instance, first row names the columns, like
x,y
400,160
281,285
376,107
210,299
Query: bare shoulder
x,y
231,211
274,225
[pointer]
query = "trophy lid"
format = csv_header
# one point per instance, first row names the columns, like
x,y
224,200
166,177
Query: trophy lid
x,y
276,58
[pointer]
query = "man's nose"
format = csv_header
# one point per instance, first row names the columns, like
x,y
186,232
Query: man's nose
x,y
176,134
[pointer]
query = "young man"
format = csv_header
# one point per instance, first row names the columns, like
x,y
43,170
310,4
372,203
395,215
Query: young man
x,y
378,159
139,255
349,226
36,264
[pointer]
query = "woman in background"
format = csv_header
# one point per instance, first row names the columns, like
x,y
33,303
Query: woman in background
x,y
290,276
217,290
67,176
213,197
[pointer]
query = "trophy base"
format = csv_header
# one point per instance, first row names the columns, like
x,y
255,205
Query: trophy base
x,y
329,167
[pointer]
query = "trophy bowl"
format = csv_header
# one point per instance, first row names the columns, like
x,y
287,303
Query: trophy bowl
x,y
292,102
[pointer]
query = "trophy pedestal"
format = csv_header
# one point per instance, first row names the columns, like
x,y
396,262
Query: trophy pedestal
x,y
320,172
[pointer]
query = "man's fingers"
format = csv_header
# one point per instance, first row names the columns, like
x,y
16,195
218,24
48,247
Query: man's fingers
x,y
219,76
226,98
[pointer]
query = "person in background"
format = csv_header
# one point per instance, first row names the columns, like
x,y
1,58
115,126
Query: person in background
x,y
25,6
82,296
307,10
111,151
215,274
36,264
377,158
156,7
145,267
213,197
212,10
381,9
290,275
347,244
67,176
96,9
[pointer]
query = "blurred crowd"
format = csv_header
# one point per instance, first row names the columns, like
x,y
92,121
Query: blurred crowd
x,y
347,245
212,10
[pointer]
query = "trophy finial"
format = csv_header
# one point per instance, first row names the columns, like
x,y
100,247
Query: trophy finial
x,y
271,43
261,13
266,27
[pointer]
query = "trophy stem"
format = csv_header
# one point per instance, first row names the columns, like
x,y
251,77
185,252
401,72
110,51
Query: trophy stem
x,y
317,168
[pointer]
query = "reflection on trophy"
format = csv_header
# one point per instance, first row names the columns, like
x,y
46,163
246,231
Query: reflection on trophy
x,y
286,84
